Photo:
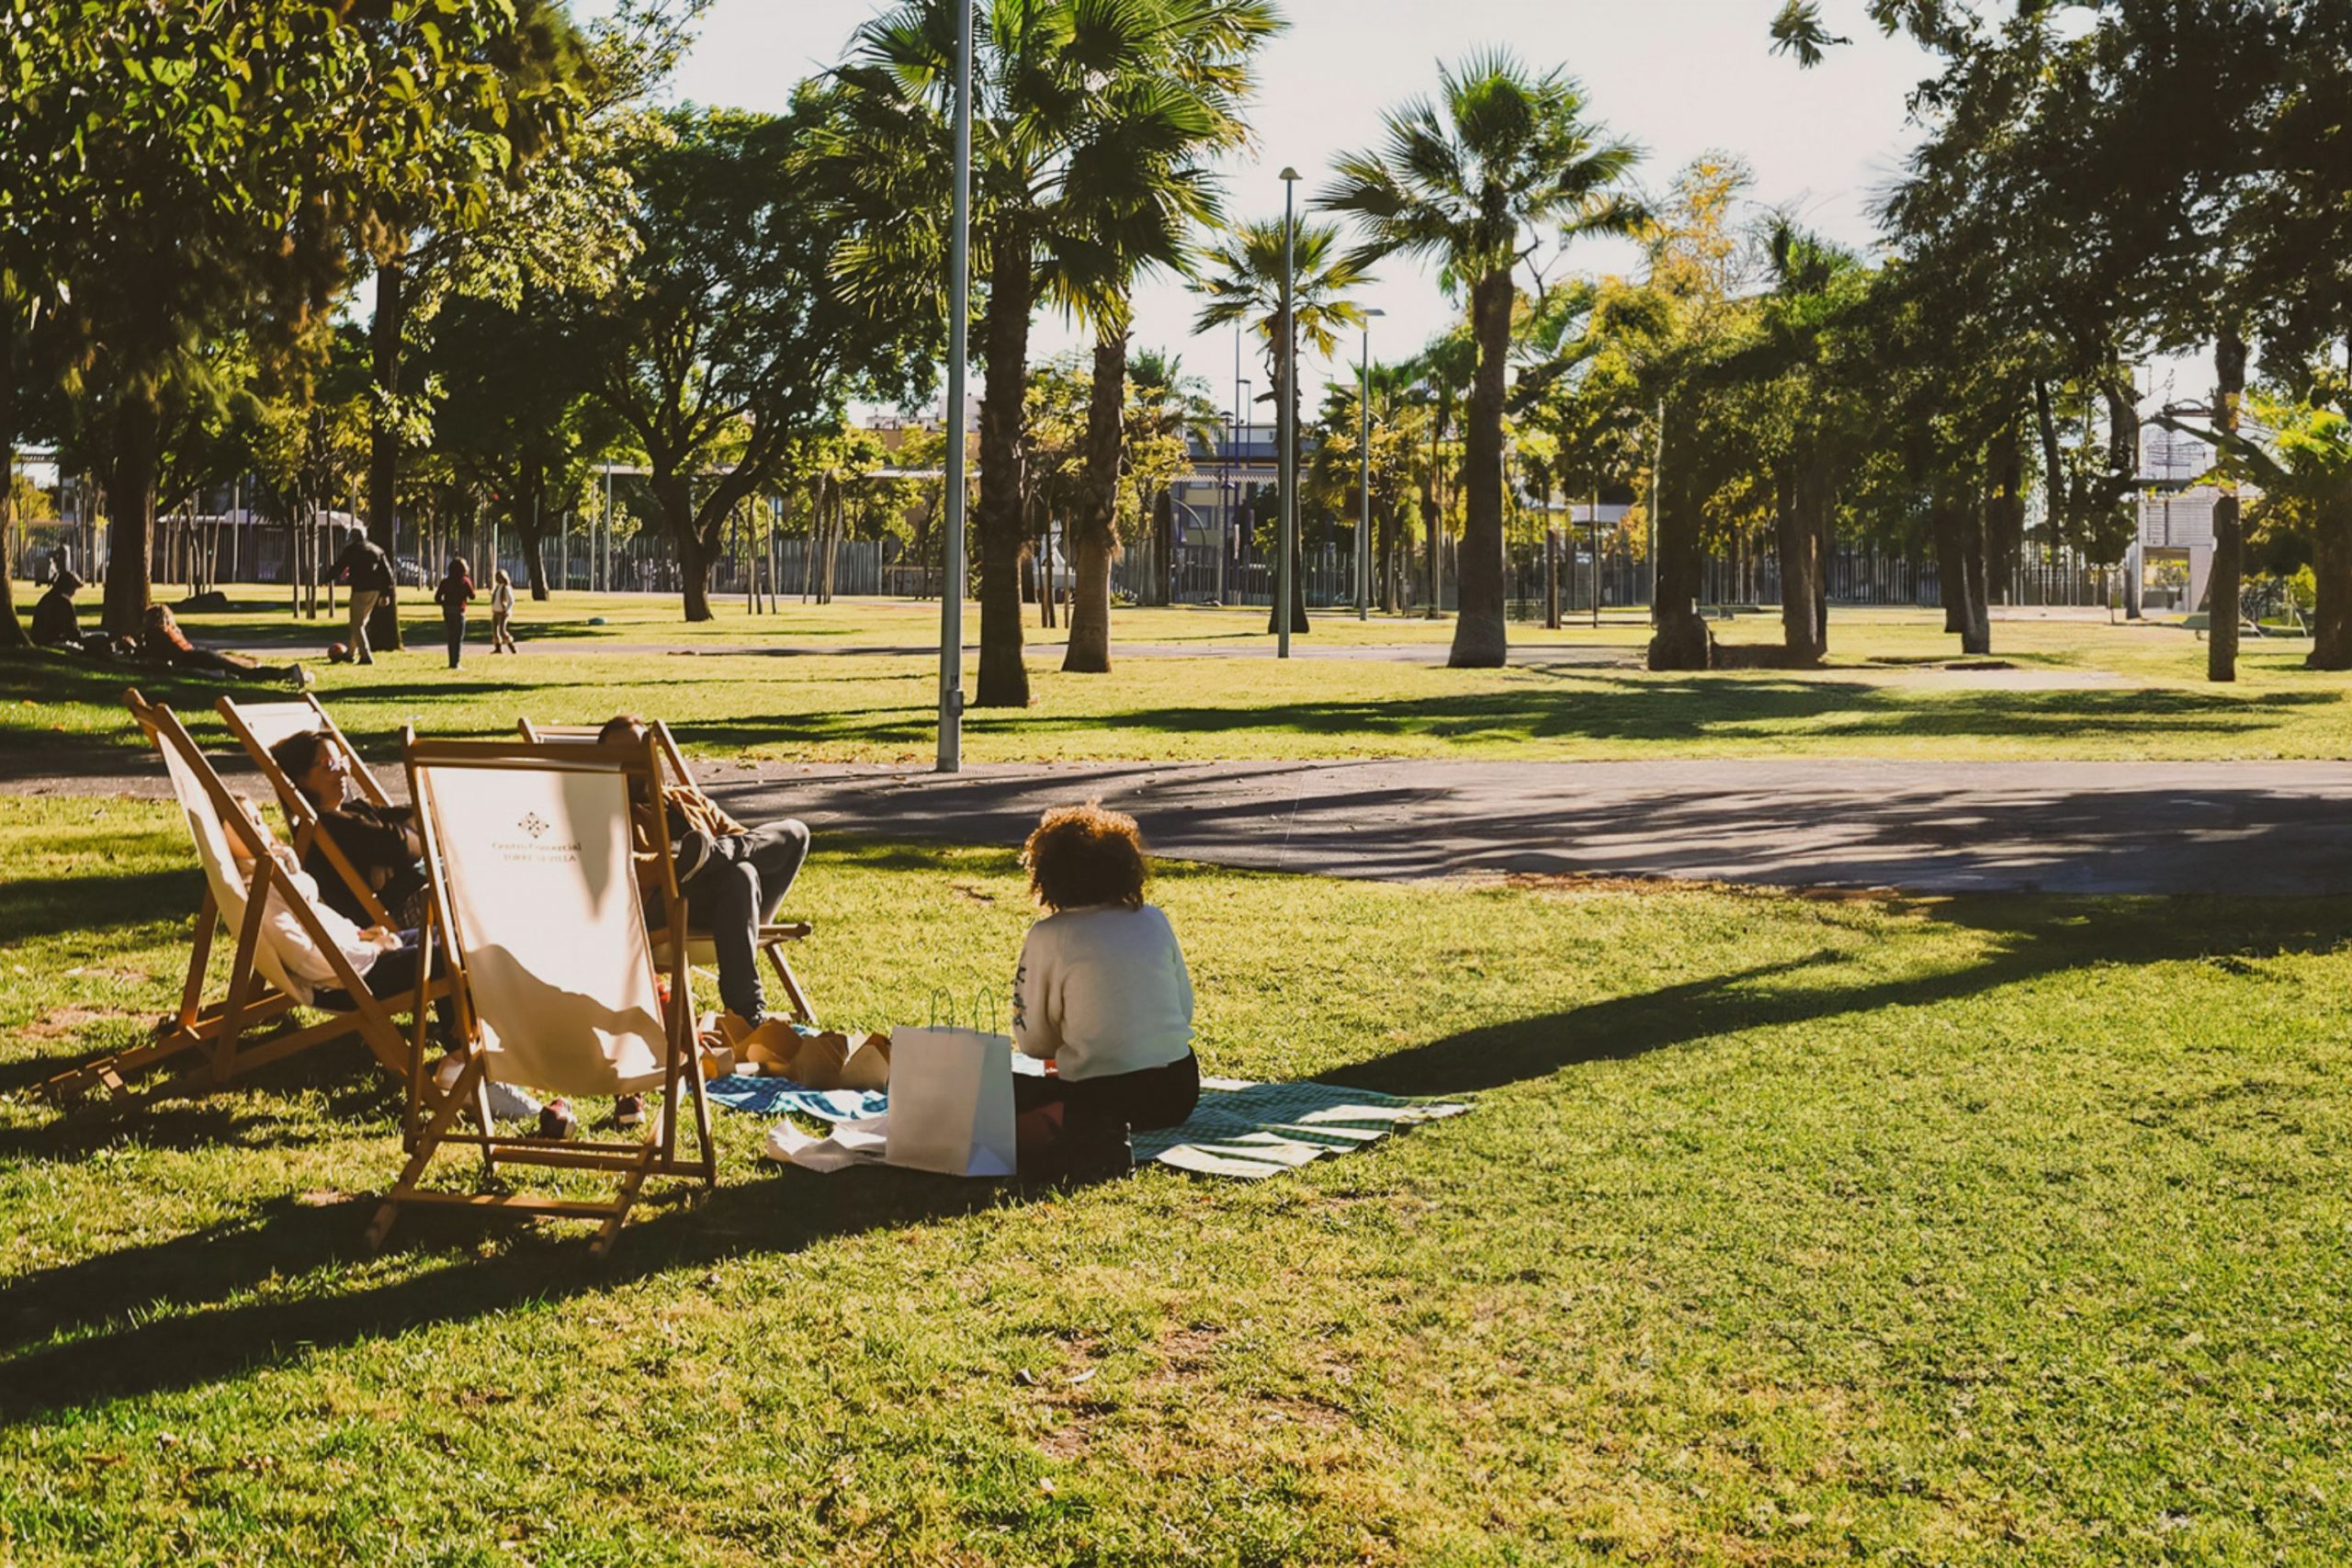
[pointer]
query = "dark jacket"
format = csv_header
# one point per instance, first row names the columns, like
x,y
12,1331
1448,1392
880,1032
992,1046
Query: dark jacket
x,y
366,567
374,839
454,594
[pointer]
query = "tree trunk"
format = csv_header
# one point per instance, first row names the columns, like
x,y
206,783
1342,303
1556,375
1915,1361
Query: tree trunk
x,y
384,335
1975,551
1163,529
1092,536
1003,677
1799,540
525,513
1481,639
2229,535
1682,640
131,498
2331,578
1951,571
673,498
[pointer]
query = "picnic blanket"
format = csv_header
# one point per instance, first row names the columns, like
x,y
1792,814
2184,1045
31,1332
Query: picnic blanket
x,y
1240,1130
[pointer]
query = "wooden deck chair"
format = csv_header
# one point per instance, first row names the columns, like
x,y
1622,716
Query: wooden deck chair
x,y
535,880
260,988
700,951
260,726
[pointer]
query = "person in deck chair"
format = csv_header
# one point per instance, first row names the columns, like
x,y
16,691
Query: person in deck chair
x,y
734,878
385,961
380,841
1102,994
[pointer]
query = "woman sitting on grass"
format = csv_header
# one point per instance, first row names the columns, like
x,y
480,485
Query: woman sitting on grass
x,y
380,841
1102,995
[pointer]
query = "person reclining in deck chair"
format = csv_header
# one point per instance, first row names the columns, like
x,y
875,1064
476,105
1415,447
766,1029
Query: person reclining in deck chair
x,y
386,961
734,878
380,841
1101,992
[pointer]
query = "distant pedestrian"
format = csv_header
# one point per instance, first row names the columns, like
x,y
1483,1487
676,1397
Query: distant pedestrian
x,y
456,590
368,570
502,612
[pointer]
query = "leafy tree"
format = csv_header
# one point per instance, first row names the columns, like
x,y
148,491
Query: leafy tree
x,y
1475,181
1242,282
727,338
518,415
1170,415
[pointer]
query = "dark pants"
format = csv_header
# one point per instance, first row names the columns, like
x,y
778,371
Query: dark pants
x,y
740,889
1146,1100
392,978
454,626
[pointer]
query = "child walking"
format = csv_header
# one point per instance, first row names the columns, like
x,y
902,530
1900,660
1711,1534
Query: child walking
x,y
502,612
456,590
1102,995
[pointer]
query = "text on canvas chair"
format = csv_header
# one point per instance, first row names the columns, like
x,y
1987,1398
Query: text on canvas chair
x,y
260,726
260,988
700,951
534,877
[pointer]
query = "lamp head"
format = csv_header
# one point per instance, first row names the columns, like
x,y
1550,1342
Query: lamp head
x,y
1289,174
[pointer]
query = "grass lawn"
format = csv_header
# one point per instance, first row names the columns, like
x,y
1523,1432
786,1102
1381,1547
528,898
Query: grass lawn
x,y
2076,690
1966,1231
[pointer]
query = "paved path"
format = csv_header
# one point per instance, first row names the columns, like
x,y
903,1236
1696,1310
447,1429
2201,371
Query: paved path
x,y
2261,828
2061,827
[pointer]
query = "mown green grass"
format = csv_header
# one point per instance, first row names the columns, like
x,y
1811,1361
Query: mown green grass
x,y
1974,1231
2081,691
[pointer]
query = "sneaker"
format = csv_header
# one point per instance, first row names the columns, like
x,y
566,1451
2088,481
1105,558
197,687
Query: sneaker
x,y
628,1111
557,1121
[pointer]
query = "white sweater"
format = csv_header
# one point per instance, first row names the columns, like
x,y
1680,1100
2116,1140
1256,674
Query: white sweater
x,y
1102,991
293,944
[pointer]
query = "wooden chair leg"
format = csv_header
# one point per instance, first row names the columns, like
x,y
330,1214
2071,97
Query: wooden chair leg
x,y
791,983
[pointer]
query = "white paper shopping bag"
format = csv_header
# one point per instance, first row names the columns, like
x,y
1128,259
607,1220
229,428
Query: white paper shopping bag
x,y
951,1101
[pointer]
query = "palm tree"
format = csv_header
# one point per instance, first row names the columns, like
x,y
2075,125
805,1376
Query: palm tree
x,y
1471,181
1244,283
1079,122
1169,109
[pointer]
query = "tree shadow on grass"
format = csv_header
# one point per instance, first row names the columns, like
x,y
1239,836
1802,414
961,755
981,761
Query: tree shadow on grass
x,y
85,1332
2030,940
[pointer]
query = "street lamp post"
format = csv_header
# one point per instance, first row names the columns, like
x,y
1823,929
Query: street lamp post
x,y
1364,485
1289,394
959,308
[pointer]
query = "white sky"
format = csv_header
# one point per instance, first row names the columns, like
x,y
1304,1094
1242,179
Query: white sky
x,y
1679,77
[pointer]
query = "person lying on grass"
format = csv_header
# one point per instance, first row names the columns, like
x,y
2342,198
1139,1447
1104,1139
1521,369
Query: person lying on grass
x,y
734,878
1101,993
385,961
161,641
380,841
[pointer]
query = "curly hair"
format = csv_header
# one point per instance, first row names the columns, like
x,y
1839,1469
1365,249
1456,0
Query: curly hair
x,y
1080,856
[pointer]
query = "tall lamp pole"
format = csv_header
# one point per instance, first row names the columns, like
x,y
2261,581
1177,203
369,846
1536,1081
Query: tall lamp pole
x,y
959,325
1289,393
1364,485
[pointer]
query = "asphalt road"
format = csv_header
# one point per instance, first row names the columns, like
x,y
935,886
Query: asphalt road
x,y
2274,829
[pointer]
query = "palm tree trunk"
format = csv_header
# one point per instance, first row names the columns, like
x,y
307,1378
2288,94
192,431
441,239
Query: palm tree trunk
x,y
2228,577
1481,638
1091,535
1004,678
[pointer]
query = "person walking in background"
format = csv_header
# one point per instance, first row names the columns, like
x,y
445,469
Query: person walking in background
x,y
501,613
456,590
368,570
